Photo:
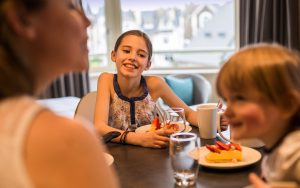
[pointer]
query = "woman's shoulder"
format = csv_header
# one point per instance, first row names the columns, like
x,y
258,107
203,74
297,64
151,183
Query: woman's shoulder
x,y
52,135
59,145
51,125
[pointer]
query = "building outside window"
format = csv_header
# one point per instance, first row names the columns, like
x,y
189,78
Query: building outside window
x,y
186,34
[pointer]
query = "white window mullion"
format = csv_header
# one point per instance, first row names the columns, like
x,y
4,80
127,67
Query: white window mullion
x,y
113,19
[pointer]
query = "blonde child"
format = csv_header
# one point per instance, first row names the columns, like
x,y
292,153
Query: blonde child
x,y
128,98
261,85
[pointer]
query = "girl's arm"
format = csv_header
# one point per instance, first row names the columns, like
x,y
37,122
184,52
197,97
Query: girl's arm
x,y
159,88
105,83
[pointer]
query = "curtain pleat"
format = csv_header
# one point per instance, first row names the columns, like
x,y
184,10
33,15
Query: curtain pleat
x,y
270,21
71,84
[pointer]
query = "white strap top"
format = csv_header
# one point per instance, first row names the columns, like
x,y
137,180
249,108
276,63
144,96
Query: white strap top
x,y
16,115
283,164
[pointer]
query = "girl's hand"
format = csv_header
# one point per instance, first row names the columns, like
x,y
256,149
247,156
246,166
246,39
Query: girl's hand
x,y
157,139
257,182
223,123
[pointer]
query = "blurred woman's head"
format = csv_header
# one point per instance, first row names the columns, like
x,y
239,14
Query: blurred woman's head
x,y
39,40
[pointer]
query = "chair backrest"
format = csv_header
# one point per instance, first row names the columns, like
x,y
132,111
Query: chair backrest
x,y
202,88
86,106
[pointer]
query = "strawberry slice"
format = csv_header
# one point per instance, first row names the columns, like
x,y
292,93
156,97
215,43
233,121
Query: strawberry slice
x,y
156,123
223,146
236,146
213,148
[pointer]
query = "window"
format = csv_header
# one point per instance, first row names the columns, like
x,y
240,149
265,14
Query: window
x,y
95,11
185,33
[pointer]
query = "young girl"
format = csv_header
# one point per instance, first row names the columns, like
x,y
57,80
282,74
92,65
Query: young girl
x,y
261,85
128,98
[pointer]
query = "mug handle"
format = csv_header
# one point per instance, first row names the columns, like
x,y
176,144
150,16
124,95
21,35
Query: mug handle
x,y
219,114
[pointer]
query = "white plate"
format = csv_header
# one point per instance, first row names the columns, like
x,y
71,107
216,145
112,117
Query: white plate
x,y
250,156
109,159
250,142
146,128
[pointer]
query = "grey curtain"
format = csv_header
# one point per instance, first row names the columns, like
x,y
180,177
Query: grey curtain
x,y
71,84
270,21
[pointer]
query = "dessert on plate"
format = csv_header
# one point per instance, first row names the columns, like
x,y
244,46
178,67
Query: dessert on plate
x,y
222,153
156,125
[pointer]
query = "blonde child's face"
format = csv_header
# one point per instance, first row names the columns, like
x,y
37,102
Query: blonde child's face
x,y
131,58
251,116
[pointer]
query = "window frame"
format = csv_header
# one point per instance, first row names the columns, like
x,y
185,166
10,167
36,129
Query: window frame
x,y
113,20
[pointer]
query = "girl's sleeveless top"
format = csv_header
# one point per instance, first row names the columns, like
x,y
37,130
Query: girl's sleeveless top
x,y
16,115
126,111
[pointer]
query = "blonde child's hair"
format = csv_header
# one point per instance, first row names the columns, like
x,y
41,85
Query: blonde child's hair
x,y
270,69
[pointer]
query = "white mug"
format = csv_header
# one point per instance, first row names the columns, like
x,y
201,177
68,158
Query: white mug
x,y
208,119
209,124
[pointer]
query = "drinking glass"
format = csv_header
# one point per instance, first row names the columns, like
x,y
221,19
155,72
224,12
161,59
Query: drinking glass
x,y
174,115
185,168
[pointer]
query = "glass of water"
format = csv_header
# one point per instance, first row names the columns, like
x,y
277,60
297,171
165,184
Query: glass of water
x,y
185,168
174,115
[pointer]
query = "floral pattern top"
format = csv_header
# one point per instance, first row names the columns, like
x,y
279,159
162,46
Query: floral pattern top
x,y
137,111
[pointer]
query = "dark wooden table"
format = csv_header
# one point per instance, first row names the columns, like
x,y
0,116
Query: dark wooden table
x,y
144,167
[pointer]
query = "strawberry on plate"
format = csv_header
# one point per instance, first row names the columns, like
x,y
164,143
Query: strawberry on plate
x,y
223,146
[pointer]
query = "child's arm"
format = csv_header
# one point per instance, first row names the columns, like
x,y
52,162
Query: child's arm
x,y
105,81
159,88
257,182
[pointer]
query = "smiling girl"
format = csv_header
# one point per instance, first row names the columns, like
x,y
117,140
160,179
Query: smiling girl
x,y
128,98
261,86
